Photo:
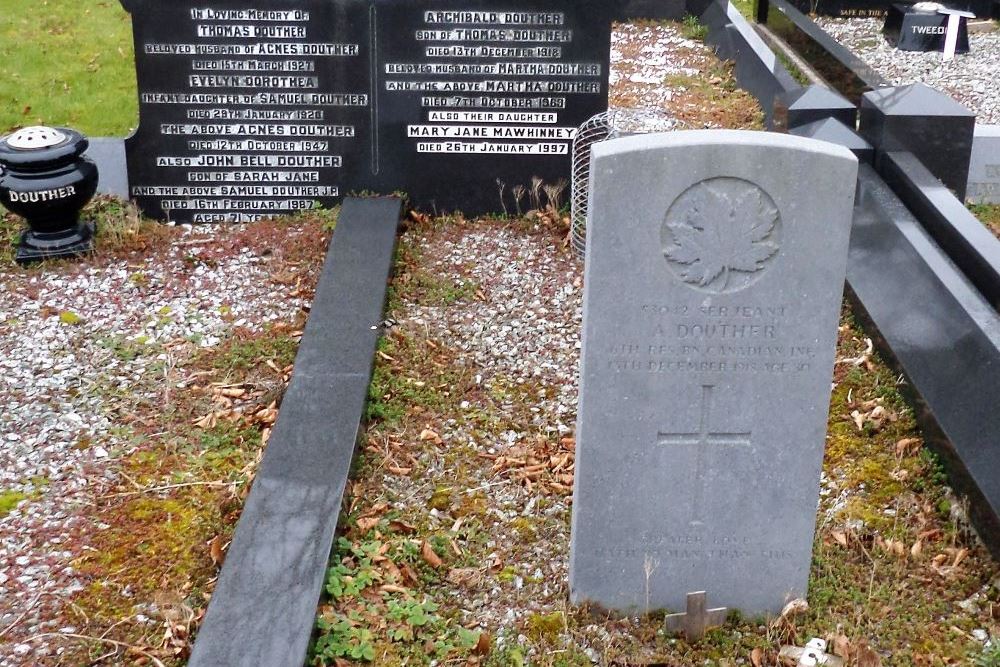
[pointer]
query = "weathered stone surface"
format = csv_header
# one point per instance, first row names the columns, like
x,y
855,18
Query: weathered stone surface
x,y
984,167
710,319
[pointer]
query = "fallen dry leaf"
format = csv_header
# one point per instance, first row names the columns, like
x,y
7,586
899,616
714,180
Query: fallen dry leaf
x,y
484,644
367,523
467,577
215,549
794,608
757,657
431,558
907,447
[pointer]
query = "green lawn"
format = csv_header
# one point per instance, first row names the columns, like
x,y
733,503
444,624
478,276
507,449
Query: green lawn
x,y
67,62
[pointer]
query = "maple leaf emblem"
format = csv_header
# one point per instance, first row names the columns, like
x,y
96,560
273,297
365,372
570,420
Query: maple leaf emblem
x,y
719,227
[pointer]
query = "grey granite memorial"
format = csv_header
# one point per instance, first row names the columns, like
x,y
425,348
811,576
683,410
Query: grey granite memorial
x,y
712,295
984,167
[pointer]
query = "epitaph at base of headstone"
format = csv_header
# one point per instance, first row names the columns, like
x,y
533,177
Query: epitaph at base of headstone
x,y
712,296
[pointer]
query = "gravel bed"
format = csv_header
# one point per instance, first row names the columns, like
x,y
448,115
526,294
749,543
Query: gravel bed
x,y
61,377
523,334
970,78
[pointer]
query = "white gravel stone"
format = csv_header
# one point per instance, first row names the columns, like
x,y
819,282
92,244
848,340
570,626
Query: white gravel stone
x,y
971,78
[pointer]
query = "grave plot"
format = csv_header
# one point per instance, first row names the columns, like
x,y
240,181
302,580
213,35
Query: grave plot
x,y
138,389
456,523
969,78
455,538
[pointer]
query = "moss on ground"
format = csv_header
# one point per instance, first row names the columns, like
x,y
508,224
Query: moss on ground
x,y
894,566
989,214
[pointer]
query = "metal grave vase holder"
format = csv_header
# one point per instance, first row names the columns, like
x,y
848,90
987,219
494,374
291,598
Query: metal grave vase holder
x,y
45,179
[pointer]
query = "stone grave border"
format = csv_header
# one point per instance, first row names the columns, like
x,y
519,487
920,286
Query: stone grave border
x,y
894,265
263,608
846,72
916,249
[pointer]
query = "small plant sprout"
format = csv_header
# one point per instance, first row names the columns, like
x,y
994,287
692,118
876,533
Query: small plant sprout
x,y
554,193
500,188
536,193
519,192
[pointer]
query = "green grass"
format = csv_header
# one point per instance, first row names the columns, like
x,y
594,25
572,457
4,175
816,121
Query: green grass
x,y
989,214
65,62
9,500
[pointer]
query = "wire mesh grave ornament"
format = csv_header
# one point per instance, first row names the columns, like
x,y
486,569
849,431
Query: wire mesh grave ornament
x,y
609,124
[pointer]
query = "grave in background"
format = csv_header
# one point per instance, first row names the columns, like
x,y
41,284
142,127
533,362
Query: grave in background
x,y
247,113
712,296
879,8
984,167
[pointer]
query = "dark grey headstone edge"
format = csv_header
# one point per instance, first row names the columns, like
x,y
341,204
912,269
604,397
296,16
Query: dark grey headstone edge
x,y
758,70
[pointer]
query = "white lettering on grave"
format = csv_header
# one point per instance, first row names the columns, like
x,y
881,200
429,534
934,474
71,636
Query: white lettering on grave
x,y
491,117
496,86
494,35
496,69
209,14
253,176
254,49
464,147
255,114
259,129
259,145
42,195
254,65
250,31
490,132
258,142
209,160
250,81
460,51
486,102
500,18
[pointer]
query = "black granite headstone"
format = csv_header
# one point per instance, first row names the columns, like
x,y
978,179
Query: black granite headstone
x,y
471,101
248,110
914,30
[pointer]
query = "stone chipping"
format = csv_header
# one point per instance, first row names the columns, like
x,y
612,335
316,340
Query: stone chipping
x,y
64,376
971,78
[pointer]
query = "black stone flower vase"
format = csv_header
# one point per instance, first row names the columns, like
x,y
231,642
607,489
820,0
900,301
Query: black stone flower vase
x,y
45,179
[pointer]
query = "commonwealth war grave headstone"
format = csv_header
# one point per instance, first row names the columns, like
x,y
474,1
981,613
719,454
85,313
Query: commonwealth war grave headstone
x,y
711,302
247,112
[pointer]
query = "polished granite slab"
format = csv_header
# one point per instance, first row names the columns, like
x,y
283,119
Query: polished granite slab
x,y
264,605
939,331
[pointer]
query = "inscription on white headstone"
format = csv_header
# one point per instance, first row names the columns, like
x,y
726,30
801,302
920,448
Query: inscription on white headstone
x,y
712,296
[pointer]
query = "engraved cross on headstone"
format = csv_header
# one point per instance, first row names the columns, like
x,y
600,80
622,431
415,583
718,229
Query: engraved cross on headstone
x,y
701,439
697,619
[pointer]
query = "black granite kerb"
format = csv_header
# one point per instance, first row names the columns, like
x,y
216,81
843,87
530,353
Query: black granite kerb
x,y
939,331
264,605
838,66
757,69
959,233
